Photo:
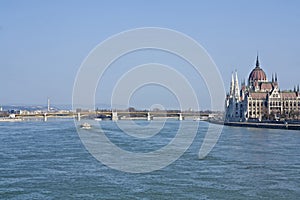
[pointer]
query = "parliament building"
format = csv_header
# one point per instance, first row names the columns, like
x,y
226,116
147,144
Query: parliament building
x,y
260,99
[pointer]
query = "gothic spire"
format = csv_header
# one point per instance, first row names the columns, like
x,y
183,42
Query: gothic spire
x,y
232,85
243,82
236,86
275,77
272,78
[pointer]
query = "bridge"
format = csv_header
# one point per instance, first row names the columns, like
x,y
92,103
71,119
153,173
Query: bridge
x,y
119,115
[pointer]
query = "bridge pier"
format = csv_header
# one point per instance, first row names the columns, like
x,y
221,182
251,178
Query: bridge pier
x,y
180,118
78,117
148,117
114,116
45,117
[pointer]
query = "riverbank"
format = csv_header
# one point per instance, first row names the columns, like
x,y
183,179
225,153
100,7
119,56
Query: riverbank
x,y
270,125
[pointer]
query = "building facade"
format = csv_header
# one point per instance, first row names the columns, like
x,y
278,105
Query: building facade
x,y
260,99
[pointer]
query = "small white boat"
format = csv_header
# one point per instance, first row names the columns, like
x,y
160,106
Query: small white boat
x,y
85,126
98,119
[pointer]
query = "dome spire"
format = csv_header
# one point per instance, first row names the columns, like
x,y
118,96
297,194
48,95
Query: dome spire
x,y
257,62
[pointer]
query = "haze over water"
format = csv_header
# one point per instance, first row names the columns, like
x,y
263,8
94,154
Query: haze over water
x,y
46,160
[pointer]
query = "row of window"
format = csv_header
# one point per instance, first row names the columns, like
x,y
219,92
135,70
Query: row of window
x,y
274,109
291,103
274,104
256,104
285,104
250,113
257,112
291,109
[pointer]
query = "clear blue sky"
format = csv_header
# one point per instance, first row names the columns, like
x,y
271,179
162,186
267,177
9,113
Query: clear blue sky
x,y
42,43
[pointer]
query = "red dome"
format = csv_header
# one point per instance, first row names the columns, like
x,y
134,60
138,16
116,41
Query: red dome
x,y
257,74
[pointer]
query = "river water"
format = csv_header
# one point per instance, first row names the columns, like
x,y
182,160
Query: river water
x,y
47,160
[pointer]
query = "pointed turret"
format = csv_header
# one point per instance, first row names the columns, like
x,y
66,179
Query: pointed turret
x,y
231,93
276,77
243,83
272,78
236,86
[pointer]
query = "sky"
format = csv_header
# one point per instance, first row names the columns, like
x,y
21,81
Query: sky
x,y
43,43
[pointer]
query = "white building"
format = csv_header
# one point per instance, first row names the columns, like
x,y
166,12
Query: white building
x,y
260,99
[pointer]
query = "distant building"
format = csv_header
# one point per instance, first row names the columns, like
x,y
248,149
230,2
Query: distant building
x,y
260,99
